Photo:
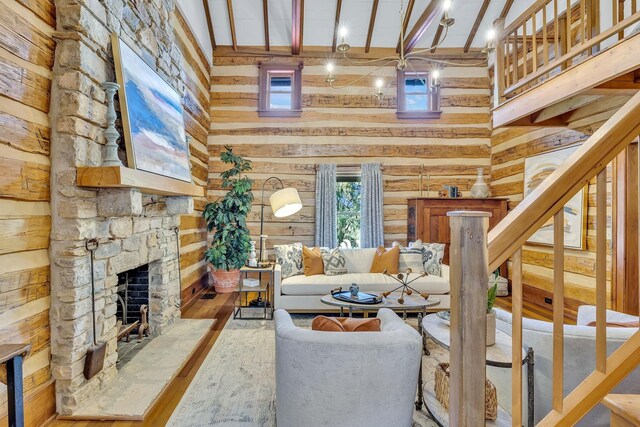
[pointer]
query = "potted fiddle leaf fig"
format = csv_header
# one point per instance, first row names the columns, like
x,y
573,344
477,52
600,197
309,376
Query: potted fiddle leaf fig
x,y
227,219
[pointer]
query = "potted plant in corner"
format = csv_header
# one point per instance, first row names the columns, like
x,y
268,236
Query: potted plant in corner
x,y
227,219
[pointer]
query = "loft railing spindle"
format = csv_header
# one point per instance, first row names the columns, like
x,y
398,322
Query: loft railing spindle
x,y
601,271
516,345
558,309
525,45
545,41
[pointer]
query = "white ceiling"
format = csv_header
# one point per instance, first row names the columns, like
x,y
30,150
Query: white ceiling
x,y
319,17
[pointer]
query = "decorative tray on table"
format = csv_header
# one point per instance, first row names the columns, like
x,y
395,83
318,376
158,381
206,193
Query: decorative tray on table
x,y
361,298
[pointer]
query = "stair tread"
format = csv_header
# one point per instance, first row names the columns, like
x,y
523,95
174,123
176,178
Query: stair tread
x,y
625,405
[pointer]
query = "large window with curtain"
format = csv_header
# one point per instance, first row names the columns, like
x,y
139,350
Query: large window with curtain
x,y
348,197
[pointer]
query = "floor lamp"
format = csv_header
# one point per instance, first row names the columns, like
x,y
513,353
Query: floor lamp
x,y
284,202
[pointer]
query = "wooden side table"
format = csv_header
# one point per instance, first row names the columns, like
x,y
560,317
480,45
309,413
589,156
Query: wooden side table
x,y
12,355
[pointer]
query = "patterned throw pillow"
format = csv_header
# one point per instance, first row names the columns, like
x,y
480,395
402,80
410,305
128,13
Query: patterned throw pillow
x,y
410,258
432,254
334,262
290,259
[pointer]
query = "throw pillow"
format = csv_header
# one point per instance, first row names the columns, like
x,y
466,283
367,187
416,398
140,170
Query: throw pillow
x,y
432,255
290,259
410,258
385,260
334,262
312,261
345,324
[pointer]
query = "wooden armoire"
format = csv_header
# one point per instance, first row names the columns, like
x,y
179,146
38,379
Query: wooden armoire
x,y
427,219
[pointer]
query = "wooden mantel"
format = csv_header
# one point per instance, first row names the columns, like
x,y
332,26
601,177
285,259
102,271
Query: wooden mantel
x,y
146,182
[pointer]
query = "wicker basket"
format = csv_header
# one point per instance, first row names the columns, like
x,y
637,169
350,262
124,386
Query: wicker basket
x,y
441,388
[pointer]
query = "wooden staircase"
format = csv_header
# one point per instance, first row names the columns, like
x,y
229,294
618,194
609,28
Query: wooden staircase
x,y
625,409
505,242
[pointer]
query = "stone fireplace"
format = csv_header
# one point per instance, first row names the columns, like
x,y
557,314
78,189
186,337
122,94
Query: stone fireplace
x,y
133,294
132,229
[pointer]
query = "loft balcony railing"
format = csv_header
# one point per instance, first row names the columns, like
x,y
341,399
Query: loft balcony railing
x,y
555,35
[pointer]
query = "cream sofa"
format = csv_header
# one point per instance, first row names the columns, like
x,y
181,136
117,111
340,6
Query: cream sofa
x,y
346,379
302,293
579,361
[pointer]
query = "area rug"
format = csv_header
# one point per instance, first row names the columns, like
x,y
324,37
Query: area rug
x,y
235,386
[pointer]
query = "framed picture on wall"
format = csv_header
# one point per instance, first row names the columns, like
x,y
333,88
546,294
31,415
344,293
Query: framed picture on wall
x,y
537,169
152,117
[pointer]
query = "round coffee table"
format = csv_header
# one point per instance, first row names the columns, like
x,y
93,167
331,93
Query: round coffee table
x,y
411,303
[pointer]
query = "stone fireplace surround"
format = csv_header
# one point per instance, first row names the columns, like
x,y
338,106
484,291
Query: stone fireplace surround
x,y
133,228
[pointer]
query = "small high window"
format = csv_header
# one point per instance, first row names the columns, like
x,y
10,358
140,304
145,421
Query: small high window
x,y
280,90
418,96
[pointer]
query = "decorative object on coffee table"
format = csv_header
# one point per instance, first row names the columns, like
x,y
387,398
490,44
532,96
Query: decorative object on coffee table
x,y
354,289
227,218
480,190
405,284
357,297
110,157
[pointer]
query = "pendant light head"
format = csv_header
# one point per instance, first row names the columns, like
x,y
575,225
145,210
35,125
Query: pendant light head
x,y
447,21
343,46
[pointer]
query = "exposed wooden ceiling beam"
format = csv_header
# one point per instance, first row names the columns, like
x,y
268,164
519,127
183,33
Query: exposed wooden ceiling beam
x,y
476,25
336,25
436,37
431,12
265,14
372,23
207,14
405,23
506,9
232,25
297,9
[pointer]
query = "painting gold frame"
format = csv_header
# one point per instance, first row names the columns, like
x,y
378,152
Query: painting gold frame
x,y
546,239
170,156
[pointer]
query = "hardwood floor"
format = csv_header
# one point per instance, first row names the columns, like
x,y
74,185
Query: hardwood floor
x,y
220,308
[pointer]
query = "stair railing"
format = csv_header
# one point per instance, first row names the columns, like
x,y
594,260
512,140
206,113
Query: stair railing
x,y
505,241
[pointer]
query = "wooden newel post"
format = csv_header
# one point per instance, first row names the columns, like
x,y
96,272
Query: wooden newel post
x,y
469,262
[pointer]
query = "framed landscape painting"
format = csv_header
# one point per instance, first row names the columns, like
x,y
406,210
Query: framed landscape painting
x,y
152,117
536,169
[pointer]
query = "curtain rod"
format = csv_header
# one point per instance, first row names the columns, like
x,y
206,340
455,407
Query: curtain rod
x,y
350,165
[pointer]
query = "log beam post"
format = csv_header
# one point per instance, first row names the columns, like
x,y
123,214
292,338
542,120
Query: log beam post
x,y
469,259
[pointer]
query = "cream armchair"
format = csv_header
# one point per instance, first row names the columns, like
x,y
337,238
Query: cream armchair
x,y
579,361
354,379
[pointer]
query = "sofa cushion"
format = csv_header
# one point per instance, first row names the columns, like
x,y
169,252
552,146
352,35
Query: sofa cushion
x,y
385,260
334,262
368,282
410,258
345,324
358,260
432,255
312,261
290,259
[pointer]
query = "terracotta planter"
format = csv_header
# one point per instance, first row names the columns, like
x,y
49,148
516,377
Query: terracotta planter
x,y
224,281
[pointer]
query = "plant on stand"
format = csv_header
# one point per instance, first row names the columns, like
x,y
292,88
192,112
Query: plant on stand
x,y
227,218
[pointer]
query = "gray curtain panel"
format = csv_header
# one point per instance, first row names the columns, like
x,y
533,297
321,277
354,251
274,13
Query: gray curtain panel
x,y
326,207
371,226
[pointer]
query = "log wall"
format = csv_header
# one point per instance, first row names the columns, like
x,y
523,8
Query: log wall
x,y
509,148
26,60
348,126
193,233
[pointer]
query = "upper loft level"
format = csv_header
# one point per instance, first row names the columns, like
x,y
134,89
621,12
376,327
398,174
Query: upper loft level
x,y
559,55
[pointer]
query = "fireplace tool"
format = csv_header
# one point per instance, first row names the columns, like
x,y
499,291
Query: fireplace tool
x,y
94,359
